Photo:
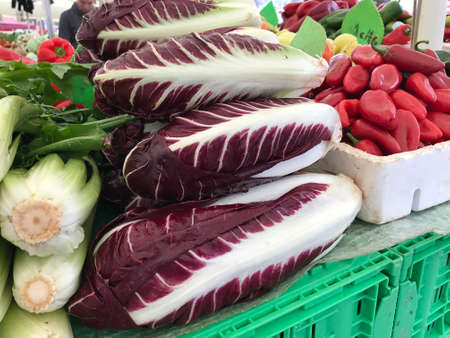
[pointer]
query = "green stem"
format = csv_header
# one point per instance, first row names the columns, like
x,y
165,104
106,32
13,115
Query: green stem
x,y
354,140
112,122
418,43
66,112
378,48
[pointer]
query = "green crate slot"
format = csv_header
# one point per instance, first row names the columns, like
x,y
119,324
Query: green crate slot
x,y
423,308
352,298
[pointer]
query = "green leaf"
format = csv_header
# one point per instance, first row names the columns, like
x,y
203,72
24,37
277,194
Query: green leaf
x,y
17,78
83,91
310,38
270,14
51,96
75,138
60,69
364,22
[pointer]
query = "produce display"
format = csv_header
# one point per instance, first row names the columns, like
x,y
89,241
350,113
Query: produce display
x,y
295,12
194,119
393,98
159,91
207,152
177,262
119,26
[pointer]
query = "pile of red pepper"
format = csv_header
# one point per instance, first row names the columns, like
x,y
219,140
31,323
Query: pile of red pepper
x,y
295,12
390,99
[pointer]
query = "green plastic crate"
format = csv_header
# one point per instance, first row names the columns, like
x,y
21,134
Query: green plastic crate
x,y
352,298
423,308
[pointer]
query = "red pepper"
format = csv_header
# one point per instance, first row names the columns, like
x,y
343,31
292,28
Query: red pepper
x,y
365,145
409,60
442,120
401,35
350,106
63,105
324,93
55,50
429,131
377,107
347,109
27,61
429,52
291,8
343,116
339,65
7,54
296,25
305,7
407,133
328,52
369,147
334,98
439,80
367,57
364,130
406,101
290,21
55,87
356,79
442,103
343,4
419,84
405,15
385,77
324,8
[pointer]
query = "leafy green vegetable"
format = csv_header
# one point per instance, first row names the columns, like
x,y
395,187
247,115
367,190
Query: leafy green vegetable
x,y
72,132
69,140
34,81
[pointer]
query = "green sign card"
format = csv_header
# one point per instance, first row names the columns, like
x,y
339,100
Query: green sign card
x,y
364,22
270,14
310,38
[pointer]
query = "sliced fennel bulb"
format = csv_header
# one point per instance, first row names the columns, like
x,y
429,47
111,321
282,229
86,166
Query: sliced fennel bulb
x,y
13,111
45,284
20,324
42,210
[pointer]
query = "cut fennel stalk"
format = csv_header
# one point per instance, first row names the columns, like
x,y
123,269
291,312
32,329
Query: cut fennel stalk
x,y
13,111
45,284
5,282
20,324
42,210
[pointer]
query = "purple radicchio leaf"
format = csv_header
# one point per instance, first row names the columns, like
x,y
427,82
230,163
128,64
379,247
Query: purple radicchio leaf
x,y
121,140
174,264
160,80
122,25
115,190
218,150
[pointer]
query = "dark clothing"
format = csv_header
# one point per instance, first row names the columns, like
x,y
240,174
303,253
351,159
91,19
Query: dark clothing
x,y
69,23
26,4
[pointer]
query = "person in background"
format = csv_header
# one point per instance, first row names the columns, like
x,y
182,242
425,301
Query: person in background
x,y
70,20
